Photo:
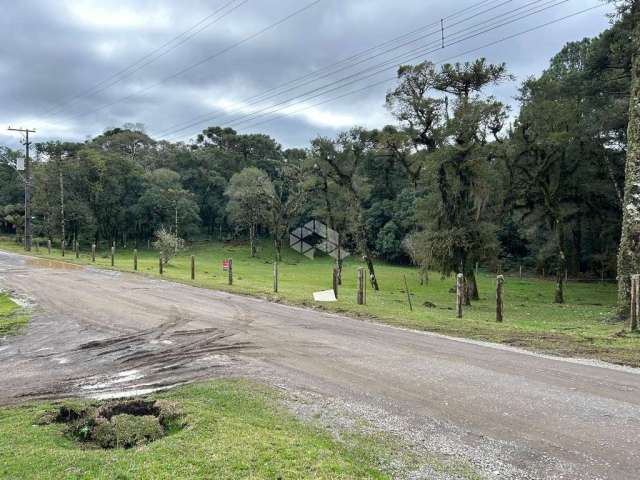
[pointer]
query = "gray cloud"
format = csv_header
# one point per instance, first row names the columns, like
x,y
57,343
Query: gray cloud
x,y
52,51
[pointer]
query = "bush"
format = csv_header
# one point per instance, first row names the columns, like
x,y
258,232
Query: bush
x,y
168,244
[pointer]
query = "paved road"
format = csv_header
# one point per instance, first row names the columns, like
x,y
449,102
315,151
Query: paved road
x,y
511,413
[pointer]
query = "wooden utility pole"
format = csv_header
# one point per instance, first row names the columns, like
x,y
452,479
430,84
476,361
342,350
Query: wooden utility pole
x,y
28,235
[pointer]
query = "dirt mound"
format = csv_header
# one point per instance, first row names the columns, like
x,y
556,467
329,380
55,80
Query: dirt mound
x,y
118,424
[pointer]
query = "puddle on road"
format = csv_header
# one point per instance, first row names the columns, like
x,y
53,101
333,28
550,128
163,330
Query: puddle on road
x,y
45,263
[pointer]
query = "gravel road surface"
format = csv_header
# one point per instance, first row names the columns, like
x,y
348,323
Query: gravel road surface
x,y
510,413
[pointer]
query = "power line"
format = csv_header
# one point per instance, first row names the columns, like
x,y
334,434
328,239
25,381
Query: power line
x,y
270,93
203,60
390,79
381,67
152,56
385,66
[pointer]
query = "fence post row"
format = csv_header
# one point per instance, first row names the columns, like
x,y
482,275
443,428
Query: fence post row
x,y
459,294
499,300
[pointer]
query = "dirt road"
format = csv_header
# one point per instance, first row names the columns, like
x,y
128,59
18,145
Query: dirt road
x,y
512,414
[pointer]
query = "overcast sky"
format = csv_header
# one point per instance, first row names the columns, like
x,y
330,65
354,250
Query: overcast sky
x,y
60,60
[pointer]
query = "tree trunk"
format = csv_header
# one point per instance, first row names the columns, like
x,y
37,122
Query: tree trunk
x,y
466,298
472,286
372,273
277,243
562,264
629,253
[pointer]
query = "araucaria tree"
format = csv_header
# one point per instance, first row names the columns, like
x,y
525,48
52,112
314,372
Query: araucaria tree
x,y
459,140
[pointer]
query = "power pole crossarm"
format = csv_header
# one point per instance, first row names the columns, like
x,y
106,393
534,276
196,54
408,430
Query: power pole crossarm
x,y
28,235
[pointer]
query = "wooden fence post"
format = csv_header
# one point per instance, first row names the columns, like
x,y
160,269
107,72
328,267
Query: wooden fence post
x,y
160,263
193,267
634,312
459,294
49,247
93,253
135,259
406,287
77,249
335,282
275,277
520,272
499,300
361,283
62,247
37,245
230,271
113,256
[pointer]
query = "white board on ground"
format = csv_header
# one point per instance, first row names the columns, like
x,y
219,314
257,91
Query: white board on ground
x,y
326,296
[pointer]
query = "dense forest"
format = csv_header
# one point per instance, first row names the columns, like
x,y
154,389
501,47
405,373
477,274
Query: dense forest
x,y
458,179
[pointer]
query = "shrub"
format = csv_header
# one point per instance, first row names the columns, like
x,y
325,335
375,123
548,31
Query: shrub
x,y
168,244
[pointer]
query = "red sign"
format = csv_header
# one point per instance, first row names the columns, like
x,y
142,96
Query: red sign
x,y
225,265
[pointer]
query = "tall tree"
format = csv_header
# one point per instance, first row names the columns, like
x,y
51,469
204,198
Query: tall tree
x,y
249,193
459,151
629,251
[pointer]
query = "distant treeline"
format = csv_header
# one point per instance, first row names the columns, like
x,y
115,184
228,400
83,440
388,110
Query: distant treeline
x,y
454,182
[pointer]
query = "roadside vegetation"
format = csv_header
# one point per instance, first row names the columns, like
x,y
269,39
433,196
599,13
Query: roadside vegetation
x,y
234,429
12,317
580,327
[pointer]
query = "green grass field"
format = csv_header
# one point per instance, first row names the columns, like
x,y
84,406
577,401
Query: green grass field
x,y
579,327
12,319
235,429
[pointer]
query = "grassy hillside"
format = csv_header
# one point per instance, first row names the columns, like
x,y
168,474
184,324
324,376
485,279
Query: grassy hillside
x,y
532,320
